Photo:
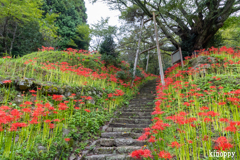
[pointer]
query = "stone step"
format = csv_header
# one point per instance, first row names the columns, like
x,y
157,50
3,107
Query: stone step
x,y
106,142
132,130
135,109
134,116
109,157
115,150
128,125
145,106
135,113
114,135
131,121
141,100
140,104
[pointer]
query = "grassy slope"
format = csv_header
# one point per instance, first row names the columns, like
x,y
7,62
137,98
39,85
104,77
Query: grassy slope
x,y
198,110
81,70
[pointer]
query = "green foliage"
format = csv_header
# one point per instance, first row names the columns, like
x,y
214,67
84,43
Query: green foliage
x,y
21,10
72,14
123,75
100,30
49,30
30,39
108,51
82,37
131,13
228,35
14,16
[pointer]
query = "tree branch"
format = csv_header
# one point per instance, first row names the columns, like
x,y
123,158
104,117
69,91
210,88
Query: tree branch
x,y
185,14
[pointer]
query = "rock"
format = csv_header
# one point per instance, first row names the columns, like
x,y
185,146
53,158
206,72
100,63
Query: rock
x,y
65,132
16,139
24,83
92,101
94,92
196,62
107,142
61,91
72,157
67,94
18,99
89,92
41,148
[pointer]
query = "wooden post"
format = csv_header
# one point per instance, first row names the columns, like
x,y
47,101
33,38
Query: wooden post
x,y
137,53
180,51
159,52
147,61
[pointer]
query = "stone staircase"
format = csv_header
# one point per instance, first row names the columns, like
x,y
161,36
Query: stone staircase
x,y
120,137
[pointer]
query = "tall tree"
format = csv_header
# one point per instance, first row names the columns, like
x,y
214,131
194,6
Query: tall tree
x,y
14,14
72,13
193,22
100,30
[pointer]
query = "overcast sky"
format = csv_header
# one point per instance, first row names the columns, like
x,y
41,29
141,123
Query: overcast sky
x,y
99,9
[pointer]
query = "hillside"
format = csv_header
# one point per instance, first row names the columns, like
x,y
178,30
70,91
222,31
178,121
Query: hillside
x,y
197,113
52,103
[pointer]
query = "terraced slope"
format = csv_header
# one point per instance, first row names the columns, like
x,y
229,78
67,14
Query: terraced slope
x,y
120,137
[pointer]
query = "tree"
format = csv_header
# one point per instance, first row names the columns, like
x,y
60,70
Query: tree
x,y
108,51
72,13
100,30
82,37
15,14
190,24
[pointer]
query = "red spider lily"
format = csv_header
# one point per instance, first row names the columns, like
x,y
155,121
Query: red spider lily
x,y
67,139
207,120
7,81
147,129
204,108
26,110
231,128
165,155
146,153
88,98
223,120
212,113
4,108
186,103
221,103
159,125
157,112
28,103
62,106
87,110
16,114
190,141
142,137
223,144
32,91
212,87
51,126
47,121
152,139
56,120
57,97
175,144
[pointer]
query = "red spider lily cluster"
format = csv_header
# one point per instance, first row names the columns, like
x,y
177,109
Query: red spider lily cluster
x,y
188,117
